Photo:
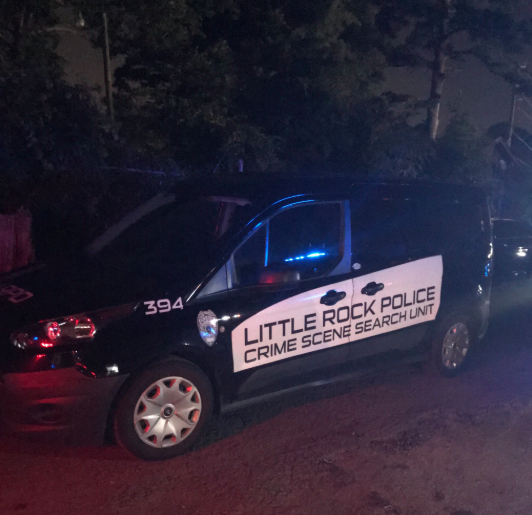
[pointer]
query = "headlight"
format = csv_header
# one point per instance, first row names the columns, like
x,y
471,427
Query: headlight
x,y
67,330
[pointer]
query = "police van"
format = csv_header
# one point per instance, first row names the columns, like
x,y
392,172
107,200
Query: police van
x,y
228,290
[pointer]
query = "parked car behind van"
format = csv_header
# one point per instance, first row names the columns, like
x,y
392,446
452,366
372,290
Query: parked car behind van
x,y
512,241
228,290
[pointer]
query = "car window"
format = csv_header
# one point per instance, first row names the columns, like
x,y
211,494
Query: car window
x,y
296,244
511,229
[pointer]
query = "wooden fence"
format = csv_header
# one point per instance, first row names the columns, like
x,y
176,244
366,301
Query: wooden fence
x,y
16,248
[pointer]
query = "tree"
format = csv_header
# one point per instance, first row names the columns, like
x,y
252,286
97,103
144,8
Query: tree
x,y
463,152
25,39
461,155
46,126
437,32
401,152
282,84
307,77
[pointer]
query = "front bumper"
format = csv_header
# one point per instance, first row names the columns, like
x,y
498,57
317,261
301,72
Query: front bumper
x,y
60,405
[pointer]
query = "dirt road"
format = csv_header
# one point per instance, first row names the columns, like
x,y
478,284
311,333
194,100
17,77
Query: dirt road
x,y
401,443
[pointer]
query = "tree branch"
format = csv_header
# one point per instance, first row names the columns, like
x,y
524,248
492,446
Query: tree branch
x,y
60,28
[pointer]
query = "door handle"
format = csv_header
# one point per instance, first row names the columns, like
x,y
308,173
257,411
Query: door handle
x,y
332,297
372,288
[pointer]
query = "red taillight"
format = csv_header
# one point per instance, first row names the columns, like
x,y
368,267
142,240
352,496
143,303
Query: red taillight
x,y
53,332
57,332
67,330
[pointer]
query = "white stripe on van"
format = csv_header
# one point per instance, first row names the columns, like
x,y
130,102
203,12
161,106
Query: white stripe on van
x,y
301,324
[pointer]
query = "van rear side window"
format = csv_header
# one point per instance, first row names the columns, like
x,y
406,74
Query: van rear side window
x,y
387,232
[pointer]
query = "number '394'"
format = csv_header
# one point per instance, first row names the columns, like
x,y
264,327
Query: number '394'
x,y
162,306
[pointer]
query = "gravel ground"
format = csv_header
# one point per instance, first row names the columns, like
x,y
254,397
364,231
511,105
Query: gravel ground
x,y
403,442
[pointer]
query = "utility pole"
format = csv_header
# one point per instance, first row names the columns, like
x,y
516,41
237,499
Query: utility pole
x,y
107,69
517,96
512,117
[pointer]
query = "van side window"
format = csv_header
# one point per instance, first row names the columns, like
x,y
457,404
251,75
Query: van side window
x,y
388,232
380,236
296,244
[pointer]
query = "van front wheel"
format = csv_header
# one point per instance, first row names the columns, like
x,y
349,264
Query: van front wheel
x,y
451,346
163,410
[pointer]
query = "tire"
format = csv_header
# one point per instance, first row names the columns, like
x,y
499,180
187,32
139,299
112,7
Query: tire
x,y
164,410
451,345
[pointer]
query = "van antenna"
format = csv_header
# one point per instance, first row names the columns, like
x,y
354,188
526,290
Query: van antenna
x,y
216,167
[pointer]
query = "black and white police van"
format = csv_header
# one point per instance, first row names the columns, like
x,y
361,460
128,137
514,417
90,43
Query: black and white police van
x,y
228,290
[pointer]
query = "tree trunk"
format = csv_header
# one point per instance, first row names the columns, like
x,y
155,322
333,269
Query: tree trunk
x,y
107,70
18,27
447,11
436,90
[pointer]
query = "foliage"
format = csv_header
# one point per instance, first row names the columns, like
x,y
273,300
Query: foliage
x,y
401,152
282,84
47,127
286,85
463,153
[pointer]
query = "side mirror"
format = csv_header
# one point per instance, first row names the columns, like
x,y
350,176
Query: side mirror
x,y
279,277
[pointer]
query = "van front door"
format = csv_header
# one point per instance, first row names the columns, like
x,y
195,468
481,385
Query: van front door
x,y
292,293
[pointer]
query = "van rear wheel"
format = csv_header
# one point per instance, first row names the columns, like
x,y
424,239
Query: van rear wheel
x,y
163,410
451,345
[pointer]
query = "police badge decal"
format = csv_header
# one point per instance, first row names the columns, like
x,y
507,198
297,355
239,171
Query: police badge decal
x,y
208,327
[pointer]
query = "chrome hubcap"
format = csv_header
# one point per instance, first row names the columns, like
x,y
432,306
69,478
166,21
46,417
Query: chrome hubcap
x,y
455,346
167,412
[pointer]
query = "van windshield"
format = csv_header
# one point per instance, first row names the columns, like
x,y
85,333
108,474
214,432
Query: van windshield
x,y
169,235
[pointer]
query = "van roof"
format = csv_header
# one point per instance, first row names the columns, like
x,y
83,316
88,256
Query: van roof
x,y
271,186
